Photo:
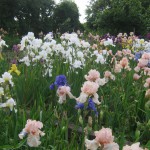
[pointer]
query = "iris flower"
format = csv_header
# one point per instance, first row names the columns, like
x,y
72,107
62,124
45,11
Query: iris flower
x,y
14,69
91,106
60,80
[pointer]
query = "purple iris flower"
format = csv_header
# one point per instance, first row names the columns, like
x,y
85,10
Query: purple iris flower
x,y
113,38
15,48
60,80
148,36
14,61
119,40
91,106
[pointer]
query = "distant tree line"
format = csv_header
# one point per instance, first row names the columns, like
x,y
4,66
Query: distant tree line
x,y
22,16
103,16
115,16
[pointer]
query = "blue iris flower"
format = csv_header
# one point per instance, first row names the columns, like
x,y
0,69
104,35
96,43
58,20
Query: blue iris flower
x,y
91,105
79,105
60,80
52,86
138,55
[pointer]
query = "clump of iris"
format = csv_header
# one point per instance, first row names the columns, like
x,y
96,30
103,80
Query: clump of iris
x,y
60,80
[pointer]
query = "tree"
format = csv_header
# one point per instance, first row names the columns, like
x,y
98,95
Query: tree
x,y
66,17
26,15
118,15
7,14
35,15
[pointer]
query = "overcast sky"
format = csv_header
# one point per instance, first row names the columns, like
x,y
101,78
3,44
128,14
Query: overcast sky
x,y
82,4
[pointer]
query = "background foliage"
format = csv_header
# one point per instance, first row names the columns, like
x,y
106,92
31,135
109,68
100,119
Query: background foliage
x,y
102,15
38,15
119,16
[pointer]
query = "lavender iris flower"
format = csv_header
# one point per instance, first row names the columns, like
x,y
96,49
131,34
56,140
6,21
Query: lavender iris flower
x,y
15,48
14,61
138,55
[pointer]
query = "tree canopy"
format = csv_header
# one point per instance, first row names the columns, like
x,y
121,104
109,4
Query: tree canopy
x,y
35,15
66,16
119,15
38,15
7,14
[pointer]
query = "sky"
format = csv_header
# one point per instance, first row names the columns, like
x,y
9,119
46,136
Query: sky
x,y
82,5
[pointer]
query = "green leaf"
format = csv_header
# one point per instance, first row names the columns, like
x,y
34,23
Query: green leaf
x,y
7,147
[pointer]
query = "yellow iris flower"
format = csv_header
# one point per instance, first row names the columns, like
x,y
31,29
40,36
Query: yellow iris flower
x,y
14,69
1,57
142,41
